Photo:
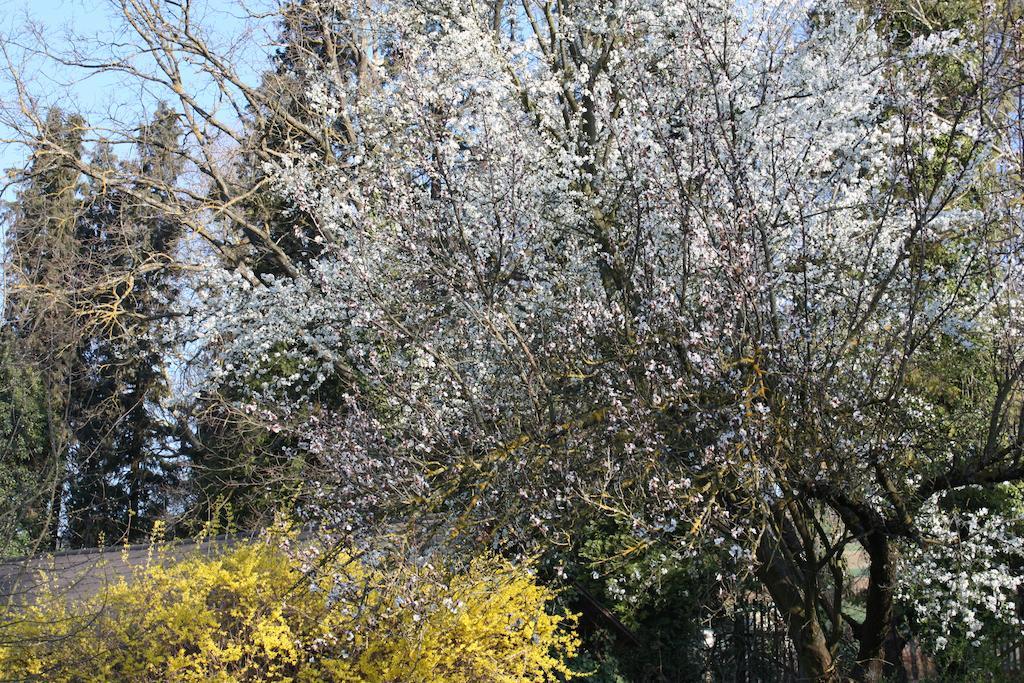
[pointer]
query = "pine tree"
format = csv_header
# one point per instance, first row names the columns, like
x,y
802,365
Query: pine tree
x,y
124,466
314,40
40,334
240,472
83,375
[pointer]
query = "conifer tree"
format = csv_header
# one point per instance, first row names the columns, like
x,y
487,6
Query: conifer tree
x,y
240,471
88,280
124,466
40,334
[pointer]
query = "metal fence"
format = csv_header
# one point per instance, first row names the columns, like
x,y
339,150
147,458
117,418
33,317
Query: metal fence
x,y
1013,660
751,645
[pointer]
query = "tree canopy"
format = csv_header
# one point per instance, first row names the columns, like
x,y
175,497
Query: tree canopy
x,y
737,280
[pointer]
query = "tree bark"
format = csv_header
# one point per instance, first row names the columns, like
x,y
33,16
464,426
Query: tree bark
x,y
814,658
878,619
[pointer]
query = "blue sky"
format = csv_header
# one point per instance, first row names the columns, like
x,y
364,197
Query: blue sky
x,y
54,15
103,97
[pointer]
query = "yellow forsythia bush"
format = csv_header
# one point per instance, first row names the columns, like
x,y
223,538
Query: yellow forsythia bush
x,y
253,614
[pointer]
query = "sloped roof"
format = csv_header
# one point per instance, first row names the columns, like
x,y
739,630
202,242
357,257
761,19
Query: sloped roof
x,y
80,574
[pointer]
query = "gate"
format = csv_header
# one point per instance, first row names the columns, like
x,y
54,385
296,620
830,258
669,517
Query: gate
x,y
751,645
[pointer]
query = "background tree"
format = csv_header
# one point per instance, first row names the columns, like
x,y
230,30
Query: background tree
x,y
88,280
29,474
41,332
125,470
242,472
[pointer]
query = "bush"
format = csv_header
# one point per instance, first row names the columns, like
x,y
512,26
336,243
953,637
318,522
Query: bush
x,y
253,613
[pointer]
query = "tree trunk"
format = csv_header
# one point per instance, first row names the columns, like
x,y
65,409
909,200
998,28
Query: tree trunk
x,y
813,655
874,632
814,658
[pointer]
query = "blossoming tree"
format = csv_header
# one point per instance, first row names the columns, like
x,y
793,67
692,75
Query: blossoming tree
x,y
698,267
740,273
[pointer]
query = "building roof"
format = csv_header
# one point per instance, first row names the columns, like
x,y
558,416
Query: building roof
x,y
80,574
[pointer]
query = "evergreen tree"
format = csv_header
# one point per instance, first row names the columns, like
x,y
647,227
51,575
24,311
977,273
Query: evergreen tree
x,y
124,466
315,40
82,374
40,334
240,472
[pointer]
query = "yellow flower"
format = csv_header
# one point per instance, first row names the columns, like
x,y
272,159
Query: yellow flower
x,y
253,614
